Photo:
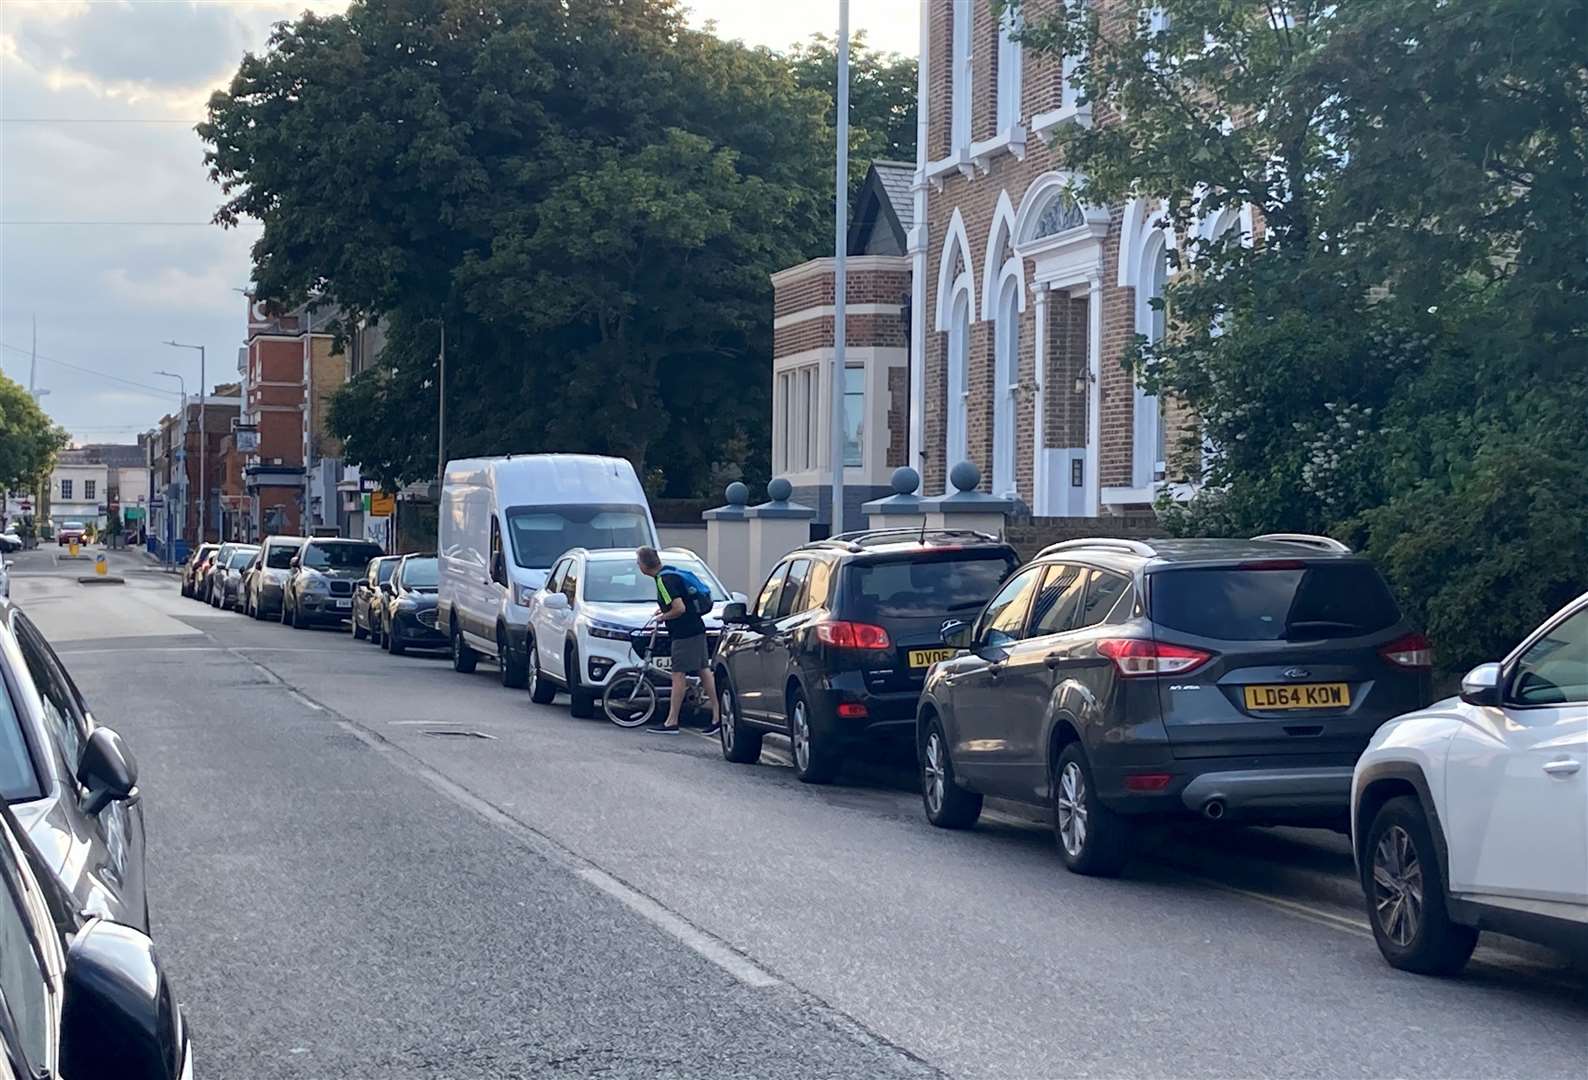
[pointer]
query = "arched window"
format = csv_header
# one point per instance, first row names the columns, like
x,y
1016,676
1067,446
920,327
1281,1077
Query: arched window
x,y
1006,381
958,357
1152,279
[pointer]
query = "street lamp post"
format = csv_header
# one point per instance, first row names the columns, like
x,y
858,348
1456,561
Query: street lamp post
x,y
166,517
840,269
204,493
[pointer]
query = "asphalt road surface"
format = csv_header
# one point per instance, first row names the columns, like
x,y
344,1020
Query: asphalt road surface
x,y
371,866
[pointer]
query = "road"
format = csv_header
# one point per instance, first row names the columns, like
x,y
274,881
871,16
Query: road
x,y
371,866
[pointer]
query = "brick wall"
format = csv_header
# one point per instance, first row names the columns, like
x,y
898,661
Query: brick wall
x,y
898,417
864,287
860,331
1033,534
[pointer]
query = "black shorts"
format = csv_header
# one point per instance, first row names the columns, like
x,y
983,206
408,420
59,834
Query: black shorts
x,y
688,654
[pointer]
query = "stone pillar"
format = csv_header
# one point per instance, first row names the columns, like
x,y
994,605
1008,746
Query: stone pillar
x,y
904,509
777,527
728,539
967,508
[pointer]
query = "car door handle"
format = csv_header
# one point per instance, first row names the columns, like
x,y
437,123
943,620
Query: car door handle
x,y
1053,660
1563,767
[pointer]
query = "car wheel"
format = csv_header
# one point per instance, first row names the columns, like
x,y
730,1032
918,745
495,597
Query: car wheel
x,y
581,703
511,667
948,806
359,633
394,640
541,690
1406,894
463,657
740,743
375,635
1092,839
814,759
286,612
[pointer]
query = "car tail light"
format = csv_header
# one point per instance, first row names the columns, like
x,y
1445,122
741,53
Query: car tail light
x,y
1155,781
1409,651
1136,657
851,710
842,634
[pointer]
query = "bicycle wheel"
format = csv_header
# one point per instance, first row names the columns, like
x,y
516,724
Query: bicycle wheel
x,y
629,700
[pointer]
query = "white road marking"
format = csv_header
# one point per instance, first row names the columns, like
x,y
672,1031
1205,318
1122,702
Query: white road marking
x,y
68,651
301,700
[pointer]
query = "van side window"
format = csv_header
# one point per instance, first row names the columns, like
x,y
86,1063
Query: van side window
x,y
794,588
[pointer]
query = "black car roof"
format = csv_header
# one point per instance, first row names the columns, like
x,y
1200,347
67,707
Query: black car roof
x,y
905,540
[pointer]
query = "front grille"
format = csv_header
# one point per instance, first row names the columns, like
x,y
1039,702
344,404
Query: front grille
x,y
427,618
341,588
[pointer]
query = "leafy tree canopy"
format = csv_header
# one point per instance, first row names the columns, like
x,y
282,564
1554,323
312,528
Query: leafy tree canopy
x,y
29,439
590,197
1398,353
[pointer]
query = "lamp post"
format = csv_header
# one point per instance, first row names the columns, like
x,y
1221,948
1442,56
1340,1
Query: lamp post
x,y
840,268
166,517
203,455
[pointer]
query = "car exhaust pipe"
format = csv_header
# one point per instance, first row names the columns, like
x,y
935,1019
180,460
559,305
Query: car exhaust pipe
x,y
1213,809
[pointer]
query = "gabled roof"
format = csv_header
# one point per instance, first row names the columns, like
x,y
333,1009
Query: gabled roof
x,y
883,210
897,178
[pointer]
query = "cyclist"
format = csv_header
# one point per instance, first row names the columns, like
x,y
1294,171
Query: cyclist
x,y
686,634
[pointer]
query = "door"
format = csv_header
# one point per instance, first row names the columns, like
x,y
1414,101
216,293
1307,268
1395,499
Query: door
x,y
747,650
779,647
548,647
559,621
981,702
1032,671
1516,777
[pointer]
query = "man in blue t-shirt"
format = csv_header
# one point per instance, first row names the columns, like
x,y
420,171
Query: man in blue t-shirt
x,y
686,635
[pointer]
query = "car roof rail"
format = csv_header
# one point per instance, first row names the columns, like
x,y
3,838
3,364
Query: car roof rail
x,y
1105,543
862,536
1312,540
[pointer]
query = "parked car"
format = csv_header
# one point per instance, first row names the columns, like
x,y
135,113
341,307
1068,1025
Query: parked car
x,y
1117,680
364,616
213,571
85,997
504,522
319,587
70,532
226,577
1472,814
408,606
10,541
5,578
583,622
266,578
839,640
194,569
72,784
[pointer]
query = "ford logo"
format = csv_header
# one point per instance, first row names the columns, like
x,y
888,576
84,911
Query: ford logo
x,y
1297,673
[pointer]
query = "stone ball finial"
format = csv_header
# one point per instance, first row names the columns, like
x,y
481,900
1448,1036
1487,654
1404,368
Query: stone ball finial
x,y
906,481
964,476
779,489
737,493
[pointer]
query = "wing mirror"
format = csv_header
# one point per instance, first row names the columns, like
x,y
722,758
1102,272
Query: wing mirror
x,y
499,568
1481,685
955,633
295,563
736,614
386,588
107,769
120,1016
555,601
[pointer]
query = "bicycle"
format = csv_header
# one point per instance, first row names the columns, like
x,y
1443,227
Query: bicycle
x,y
630,698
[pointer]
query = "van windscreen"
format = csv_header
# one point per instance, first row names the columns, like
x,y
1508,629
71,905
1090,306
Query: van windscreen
x,y
541,533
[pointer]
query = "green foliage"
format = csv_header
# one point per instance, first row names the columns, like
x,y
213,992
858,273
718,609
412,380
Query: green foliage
x,y
882,90
1400,358
29,439
591,197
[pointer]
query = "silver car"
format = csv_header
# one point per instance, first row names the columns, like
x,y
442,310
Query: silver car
x,y
266,579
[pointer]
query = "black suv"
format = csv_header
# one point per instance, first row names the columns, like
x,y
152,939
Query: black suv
x,y
838,642
1115,679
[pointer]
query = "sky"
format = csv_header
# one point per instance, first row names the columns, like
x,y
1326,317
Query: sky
x,y
105,202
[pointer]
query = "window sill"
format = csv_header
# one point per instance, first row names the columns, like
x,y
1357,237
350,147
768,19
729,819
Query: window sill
x,y
959,161
1012,142
1044,124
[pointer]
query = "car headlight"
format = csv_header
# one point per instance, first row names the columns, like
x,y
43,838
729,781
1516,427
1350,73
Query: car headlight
x,y
522,594
611,631
315,584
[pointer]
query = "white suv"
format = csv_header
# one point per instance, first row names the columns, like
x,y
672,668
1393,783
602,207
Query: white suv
x,y
1472,814
583,621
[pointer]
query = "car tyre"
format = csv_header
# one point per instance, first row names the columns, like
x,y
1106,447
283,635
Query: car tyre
x,y
377,638
1093,840
286,612
1405,893
394,640
542,691
581,702
948,806
463,657
511,667
741,744
815,760
359,633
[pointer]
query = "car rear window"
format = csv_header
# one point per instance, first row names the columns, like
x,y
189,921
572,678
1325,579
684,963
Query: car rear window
x,y
917,586
1290,603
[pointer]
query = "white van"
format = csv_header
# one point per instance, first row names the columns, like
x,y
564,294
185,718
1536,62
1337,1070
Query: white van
x,y
503,523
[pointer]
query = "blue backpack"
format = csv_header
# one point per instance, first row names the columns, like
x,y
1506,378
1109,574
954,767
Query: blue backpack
x,y
697,595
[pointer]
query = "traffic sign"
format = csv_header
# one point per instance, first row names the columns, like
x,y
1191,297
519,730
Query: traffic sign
x,y
382,503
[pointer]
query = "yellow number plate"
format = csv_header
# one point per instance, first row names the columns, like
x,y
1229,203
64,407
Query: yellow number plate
x,y
1332,695
928,657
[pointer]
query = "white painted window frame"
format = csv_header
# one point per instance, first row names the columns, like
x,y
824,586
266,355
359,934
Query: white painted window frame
x,y
956,426
960,90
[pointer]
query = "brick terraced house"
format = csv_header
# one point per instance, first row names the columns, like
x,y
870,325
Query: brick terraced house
x,y
1024,300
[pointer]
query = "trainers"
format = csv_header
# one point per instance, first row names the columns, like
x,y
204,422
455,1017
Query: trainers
x,y
712,729
663,730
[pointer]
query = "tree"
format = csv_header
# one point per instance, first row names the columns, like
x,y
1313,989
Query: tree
x,y
882,91
1396,356
29,439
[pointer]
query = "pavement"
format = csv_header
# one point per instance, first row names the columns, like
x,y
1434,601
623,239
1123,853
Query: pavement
x,y
370,866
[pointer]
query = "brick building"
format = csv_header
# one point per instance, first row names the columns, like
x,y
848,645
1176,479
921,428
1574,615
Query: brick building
x,y
877,356
1025,300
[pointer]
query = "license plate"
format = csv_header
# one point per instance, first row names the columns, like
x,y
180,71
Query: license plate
x,y
344,603
663,663
928,657
1306,696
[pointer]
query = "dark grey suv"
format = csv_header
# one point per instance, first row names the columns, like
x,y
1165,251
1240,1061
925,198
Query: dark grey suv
x,y
1113,680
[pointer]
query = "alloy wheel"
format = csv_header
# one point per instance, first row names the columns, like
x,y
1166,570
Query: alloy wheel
x,y
801,736
725,718
531,674
932,768
1397,886
1072,809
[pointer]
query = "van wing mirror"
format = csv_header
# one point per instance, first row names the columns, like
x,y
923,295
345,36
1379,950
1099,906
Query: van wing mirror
x,y
499,568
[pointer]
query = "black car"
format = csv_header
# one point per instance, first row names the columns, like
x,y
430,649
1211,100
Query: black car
x,y
836,646
80,996
1115,680
367,598
408,610
319,588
